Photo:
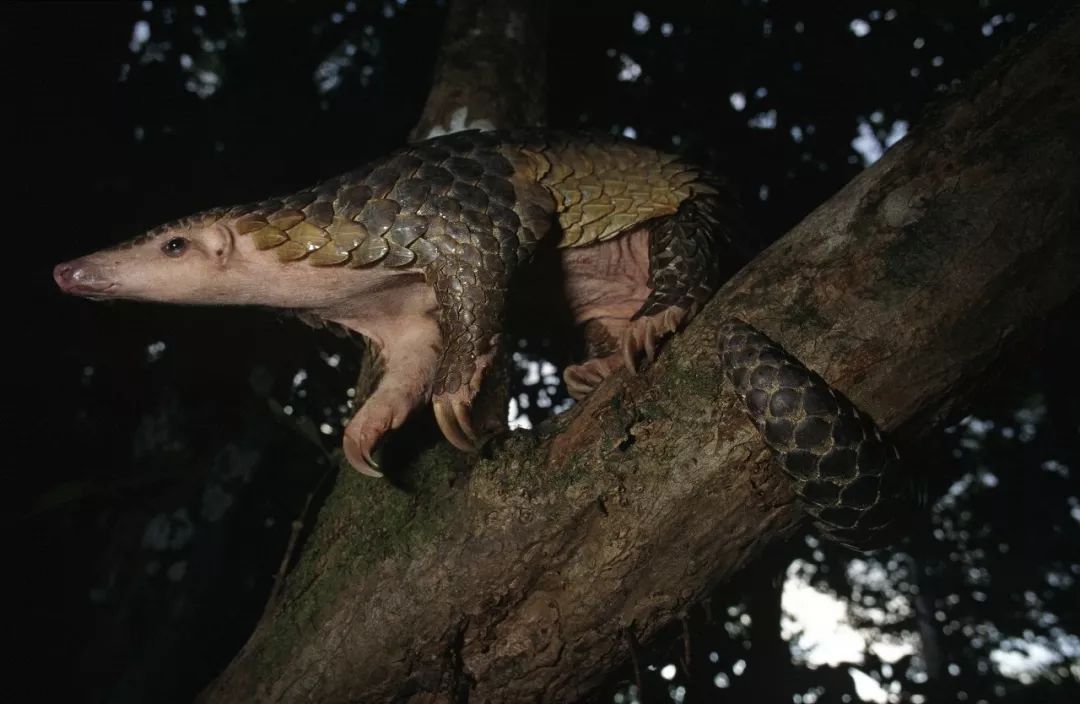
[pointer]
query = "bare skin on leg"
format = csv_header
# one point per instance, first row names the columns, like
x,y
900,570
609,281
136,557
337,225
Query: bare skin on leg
x,y
607,284
644,285
409,350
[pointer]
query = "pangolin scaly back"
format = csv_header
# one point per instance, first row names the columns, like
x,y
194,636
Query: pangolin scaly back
x,y
471,194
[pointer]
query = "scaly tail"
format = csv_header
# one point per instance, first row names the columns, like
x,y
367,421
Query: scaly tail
x,y
844,470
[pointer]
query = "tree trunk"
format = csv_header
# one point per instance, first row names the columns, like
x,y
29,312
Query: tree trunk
x,y
519,577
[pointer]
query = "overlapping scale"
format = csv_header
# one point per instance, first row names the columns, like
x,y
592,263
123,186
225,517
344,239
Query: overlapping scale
x,y
495,194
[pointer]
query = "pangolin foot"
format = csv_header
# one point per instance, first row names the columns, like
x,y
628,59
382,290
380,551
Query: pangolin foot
x,y
359,451
643,334
582,378
453,409
364,433
454,415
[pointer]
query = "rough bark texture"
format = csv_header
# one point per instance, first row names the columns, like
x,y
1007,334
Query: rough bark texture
x,y
518,578
491,69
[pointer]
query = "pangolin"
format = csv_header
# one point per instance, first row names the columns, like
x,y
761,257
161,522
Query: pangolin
x,y
417,252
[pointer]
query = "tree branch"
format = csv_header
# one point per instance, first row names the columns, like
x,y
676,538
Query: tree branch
x,y
521,574
491,70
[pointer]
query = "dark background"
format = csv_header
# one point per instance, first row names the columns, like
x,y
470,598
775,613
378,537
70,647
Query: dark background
x,y
157,456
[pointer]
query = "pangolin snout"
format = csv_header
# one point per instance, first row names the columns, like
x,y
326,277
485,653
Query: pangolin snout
x,y
80,277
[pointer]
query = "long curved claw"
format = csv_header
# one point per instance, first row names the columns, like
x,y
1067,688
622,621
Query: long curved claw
x,y
360,458
463,413
630,346
454,422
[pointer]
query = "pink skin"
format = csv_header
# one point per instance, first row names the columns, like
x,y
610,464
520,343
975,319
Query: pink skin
x,y
395,309
409,345
608,283
203,271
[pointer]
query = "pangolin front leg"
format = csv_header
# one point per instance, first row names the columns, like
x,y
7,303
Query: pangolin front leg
x,y
845,471
471,303
408,358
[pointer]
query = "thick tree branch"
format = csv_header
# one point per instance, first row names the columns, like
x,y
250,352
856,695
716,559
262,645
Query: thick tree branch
x,y
519,579
492,68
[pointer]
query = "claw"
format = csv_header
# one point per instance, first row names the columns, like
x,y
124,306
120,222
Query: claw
x,y
650,341
360,458
643,336
373,468
673,319
629,349
448,420
576,389
462,412
581,379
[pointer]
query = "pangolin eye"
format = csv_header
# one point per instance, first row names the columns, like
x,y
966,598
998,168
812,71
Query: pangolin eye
x,y
175,247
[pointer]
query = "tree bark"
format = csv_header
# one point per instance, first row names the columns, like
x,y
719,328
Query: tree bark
x,y
491,70
518,577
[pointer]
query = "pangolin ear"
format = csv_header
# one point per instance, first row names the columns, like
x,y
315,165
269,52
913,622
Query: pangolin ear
x,y
220,243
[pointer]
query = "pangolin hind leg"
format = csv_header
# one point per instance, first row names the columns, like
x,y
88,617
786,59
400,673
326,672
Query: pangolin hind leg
x,y
602,356
686,262
840,465
685,269
408,358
